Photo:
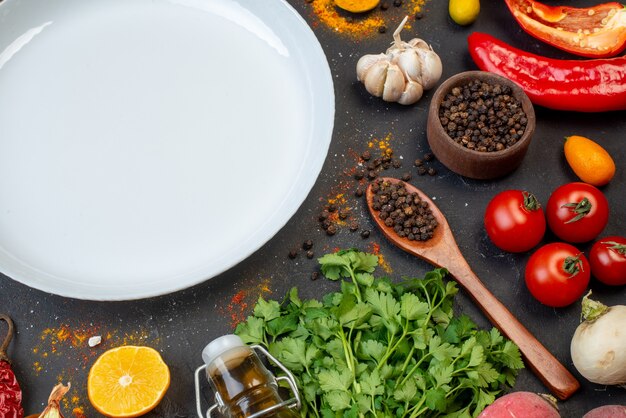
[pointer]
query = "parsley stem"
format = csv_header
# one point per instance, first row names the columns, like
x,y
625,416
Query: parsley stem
x,y
346,350
408,359
413,369
356,285
391,350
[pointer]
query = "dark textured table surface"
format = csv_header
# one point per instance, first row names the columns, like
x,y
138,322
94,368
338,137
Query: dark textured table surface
x,y
50,344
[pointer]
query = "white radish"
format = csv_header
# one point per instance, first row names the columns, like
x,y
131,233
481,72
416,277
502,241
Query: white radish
x,y
598,347
522,404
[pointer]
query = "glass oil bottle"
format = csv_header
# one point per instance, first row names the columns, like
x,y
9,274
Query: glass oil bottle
x,y
243,386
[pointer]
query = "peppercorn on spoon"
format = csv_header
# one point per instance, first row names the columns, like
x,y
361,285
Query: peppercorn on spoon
x,y
442,251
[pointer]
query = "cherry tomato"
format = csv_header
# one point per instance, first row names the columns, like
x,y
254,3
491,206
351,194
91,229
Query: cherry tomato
x,y
577,212
608,260
514,221
557,274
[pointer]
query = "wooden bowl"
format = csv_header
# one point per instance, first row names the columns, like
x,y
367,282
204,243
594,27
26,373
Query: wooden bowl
x,y
470,163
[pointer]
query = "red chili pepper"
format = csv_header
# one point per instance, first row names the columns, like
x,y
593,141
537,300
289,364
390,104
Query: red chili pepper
x,y
585,86
595,32
10,392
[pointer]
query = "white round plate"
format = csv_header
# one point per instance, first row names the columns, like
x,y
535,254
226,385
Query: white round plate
x,y
148,145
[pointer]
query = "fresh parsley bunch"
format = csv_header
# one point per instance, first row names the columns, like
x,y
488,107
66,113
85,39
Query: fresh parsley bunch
x,y
379,349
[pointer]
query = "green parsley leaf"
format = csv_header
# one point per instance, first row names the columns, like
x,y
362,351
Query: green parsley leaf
x,y
383,304
436,400
442,351
412,308
333,380
372,349
511,356
406,392
371,383
251,331
267,310
283,324
338,400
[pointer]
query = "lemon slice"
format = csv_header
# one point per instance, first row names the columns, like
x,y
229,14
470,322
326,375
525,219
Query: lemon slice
x,y
127,381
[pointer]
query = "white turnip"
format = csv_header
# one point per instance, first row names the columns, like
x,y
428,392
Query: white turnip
x,y
522,404
598,347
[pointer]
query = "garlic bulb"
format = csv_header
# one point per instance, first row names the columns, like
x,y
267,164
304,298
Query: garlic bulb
x,y
403,72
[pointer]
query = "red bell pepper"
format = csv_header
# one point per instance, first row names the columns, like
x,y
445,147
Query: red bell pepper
x,y
596,85
594,32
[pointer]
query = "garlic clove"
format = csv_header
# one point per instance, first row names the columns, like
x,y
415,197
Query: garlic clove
x,y
410,64
431,67
365,62
394,84
419,43
375,77
412,93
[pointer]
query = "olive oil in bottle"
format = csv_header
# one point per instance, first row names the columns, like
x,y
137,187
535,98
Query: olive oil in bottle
x,y
242,384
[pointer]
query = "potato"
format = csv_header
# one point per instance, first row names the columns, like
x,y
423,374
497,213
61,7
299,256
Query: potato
x,y
521,404
607,411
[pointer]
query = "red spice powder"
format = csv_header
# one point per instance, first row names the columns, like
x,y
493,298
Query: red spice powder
x,y
374,248
79,413
237,309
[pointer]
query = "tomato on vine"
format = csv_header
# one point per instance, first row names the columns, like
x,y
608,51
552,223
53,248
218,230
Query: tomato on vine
x,y
557,274
608,260
577,212
514,221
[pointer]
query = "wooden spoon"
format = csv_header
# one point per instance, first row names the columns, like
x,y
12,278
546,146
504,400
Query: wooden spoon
x,y
442,251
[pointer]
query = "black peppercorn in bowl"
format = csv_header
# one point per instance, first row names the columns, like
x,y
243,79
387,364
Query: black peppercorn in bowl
x,y
480,124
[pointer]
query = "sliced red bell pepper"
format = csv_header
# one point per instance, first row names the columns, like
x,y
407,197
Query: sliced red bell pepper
x,y
595,85
594,32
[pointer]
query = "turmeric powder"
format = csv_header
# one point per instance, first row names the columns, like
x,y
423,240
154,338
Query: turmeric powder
x,y
360,25
357,6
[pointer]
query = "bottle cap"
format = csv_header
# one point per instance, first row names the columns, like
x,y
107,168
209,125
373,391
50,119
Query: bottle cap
x,y
219,346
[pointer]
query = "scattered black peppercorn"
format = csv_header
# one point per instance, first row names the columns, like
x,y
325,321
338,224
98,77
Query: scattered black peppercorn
x,y
382,29
358,192
421,171
405,212
432,171
292,254
366,156
418,163
332,208
310,254
365,234
315,275
406,177
384,5
354,226
331,230
372,175
307,245
419,15
429,156
396,163
326,224
358,175
397,3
